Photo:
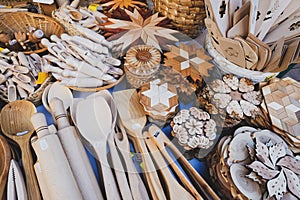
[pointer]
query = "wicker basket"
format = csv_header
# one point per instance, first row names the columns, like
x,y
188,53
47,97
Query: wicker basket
x,y
21,21
15,3
186,15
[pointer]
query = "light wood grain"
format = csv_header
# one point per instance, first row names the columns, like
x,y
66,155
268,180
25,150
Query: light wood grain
x,y
5,156
198,181
134,119
175,190
15,119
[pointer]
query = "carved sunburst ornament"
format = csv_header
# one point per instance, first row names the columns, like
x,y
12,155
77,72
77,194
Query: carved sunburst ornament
x,y
123,4
139,28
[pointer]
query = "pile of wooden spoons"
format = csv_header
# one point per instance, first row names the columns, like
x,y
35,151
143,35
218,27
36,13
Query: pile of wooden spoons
x,y
19,73
69,16
81,62
255,164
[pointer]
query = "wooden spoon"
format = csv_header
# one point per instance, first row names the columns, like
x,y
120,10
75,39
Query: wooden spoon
x,y
175,190
161,141
16,125
137,186
90,115
5,156
116,160
134,119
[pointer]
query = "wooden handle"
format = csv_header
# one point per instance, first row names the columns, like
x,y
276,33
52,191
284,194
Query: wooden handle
x,y
59,113
33,189
119,169
138,189
39,123
199,182
170,160
110,185
153,181
175,190
5,162
41,181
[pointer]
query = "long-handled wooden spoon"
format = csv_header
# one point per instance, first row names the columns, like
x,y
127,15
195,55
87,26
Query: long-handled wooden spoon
x,y
90,115
116,160
137,186
16,125
162,141
175,190
5,156
134,119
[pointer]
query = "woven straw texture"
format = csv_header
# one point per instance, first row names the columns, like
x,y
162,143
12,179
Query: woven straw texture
x,y
186,15
21,21
14,3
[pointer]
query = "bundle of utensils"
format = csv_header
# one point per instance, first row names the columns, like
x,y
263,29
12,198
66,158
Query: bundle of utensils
x,y
256,35
19,73
28,41
81,62
69,15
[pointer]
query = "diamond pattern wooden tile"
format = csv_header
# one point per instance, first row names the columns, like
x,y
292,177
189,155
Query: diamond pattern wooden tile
x,y
282,99
189,60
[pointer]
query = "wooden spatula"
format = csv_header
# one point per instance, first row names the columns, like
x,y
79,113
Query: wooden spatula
x,y
134,119
161,141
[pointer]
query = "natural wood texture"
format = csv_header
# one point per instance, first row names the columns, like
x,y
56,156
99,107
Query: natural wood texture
x,y
138,189
175,190
93,117
282,102
134,119
15,121
5,156
21,21
189,59
55,167
162,141
116,159
139,28
159,100
75,152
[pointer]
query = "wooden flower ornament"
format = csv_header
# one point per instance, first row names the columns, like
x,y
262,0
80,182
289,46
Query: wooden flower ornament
x,y
256,164
194,128
233,97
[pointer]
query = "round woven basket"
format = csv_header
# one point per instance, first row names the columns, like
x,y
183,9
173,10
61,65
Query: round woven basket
x,y
21,21
186,15
228,67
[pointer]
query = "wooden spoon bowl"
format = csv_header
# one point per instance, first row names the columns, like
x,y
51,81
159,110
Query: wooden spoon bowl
x,y
16,125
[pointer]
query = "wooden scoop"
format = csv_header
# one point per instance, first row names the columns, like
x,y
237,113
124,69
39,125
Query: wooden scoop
x,y
134,119
5,156
90,116
16,125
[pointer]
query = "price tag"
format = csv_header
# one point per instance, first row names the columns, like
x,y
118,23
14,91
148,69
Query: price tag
x,y
93,7
1,49
42,76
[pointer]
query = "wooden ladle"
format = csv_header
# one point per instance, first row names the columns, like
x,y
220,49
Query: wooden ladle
x,y
134,119
16,125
